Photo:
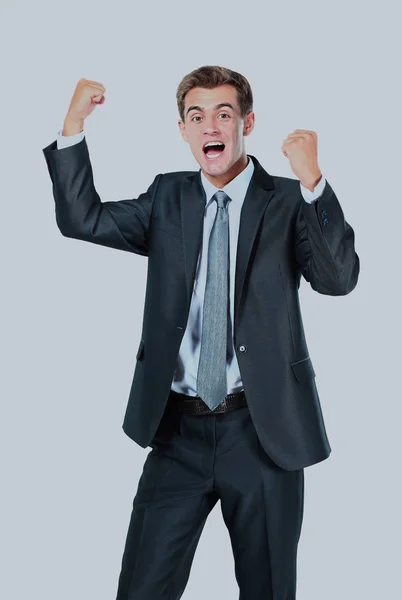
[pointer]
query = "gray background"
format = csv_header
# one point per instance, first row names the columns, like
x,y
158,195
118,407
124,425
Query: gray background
x,y
71,312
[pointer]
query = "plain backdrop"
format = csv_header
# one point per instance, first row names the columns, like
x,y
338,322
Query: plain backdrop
x,y
71,312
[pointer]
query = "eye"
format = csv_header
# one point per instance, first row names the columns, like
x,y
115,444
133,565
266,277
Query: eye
x,y
196,117
224,115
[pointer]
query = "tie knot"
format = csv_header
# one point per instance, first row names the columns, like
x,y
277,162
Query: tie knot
x,y
221,198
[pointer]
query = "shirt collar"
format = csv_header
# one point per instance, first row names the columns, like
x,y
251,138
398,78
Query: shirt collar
x,y
235,189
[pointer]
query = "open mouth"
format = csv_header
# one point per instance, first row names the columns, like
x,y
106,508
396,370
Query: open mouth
x,y
213,150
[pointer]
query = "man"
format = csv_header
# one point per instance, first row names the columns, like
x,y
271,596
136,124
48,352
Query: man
x,y
223,390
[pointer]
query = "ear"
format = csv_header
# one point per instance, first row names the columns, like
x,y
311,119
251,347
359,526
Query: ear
x,y
249,121
182,128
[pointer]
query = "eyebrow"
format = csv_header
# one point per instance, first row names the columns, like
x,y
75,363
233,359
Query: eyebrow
x,y
216,107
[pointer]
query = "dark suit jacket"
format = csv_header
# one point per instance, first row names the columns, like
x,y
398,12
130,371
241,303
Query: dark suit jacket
x,y
281,237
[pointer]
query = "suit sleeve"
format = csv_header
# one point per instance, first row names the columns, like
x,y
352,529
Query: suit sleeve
x,y
324,246
80,214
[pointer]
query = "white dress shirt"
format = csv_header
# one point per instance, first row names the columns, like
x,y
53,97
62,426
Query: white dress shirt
x,y
185,376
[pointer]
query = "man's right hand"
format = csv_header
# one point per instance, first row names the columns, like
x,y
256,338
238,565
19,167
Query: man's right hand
x,y
87,95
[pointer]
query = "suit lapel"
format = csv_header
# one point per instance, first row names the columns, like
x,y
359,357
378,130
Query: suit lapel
x,y
259,193
192,204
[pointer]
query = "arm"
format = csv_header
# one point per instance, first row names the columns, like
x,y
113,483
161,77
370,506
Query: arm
x,y
80,214
64,141
324,246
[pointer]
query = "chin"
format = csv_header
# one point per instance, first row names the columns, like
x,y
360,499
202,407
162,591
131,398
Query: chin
x,y
217,166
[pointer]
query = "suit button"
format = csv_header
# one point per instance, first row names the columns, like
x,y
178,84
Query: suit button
x,y
325,221
242,348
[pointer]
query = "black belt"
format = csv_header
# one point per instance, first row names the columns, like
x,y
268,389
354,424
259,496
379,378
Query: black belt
x,y
194,405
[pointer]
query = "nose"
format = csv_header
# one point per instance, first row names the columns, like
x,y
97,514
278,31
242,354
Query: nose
x,y
210,125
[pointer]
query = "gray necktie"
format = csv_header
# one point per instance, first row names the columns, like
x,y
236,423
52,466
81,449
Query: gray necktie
x,y
211,376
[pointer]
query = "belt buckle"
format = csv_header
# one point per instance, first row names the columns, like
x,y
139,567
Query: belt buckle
x,y
224,405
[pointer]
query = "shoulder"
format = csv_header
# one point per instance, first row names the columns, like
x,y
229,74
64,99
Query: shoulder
x,y
177,176
173,179
285,188
286,184
288,192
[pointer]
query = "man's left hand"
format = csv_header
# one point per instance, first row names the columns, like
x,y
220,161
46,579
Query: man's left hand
x,y
300,147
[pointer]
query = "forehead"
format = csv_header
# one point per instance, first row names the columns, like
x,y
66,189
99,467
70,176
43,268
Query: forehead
x,y
207,99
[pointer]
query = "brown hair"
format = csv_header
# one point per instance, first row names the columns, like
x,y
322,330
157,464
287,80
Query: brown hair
x,y
213,76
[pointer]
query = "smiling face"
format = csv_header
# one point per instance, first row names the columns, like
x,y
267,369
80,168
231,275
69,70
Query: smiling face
x,y
215,130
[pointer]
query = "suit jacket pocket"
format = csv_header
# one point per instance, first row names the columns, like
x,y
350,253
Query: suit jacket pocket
x,y
140,350
303,369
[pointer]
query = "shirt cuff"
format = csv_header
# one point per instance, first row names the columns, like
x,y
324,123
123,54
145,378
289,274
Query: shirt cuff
x,y
64,141
311,196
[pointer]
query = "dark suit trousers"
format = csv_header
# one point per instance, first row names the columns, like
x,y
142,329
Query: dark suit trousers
x,y
195,461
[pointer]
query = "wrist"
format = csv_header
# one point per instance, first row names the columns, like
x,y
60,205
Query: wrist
x,y
311,182
72,126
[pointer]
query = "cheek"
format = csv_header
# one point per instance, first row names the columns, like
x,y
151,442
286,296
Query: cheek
x,y
193,140
235,135
235,141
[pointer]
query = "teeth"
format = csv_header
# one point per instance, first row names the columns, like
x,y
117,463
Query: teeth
x,y
213,144
212,155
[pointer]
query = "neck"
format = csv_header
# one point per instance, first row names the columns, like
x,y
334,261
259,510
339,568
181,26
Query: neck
x,y
220,181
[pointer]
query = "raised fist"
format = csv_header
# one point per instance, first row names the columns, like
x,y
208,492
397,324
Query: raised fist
x,y
87,95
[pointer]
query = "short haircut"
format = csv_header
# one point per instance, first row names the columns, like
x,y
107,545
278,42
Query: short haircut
x,y
210,77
